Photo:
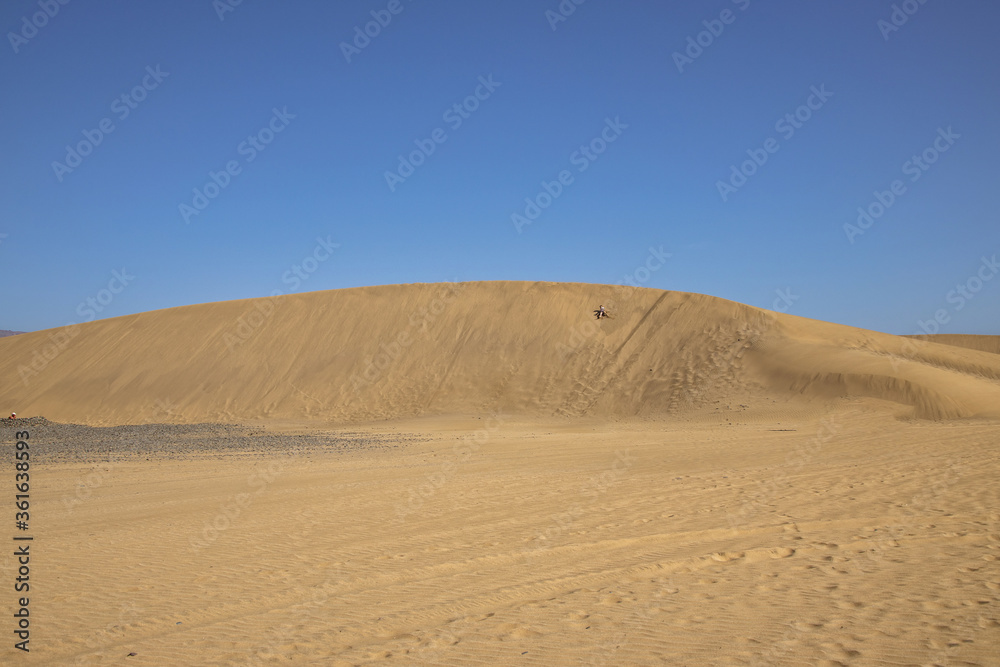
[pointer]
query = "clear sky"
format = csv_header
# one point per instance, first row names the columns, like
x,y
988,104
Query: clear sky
x,y
120,121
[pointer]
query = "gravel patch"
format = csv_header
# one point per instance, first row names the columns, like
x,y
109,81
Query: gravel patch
x,y
55,442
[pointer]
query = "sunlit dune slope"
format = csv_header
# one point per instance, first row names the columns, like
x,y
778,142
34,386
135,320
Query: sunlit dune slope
x,y
533,349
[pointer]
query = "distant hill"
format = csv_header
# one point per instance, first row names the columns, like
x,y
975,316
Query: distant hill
x,y
4,332
532,349
983,343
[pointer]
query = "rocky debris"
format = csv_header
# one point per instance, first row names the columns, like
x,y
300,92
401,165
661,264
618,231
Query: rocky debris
x,y
55,442
28,422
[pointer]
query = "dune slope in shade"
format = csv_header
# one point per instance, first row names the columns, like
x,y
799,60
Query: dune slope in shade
x,y
984,343
532,349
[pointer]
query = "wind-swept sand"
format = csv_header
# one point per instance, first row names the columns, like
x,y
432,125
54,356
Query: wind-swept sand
x,y
984,343
691,482
523,348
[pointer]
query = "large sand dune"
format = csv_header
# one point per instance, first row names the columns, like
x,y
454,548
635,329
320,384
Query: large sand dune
x,y
693,482
530,349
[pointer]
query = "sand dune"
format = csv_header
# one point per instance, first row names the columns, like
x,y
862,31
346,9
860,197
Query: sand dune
x,y
983,343
692,482
530,349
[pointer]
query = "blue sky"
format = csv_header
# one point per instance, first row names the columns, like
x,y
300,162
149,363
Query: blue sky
x,y
205,89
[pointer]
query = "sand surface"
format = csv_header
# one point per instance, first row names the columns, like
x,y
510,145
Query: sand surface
x,y
847,538
535,349
692,482
984,343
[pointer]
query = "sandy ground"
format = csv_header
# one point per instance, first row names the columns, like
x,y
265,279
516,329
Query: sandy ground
x,y
845,536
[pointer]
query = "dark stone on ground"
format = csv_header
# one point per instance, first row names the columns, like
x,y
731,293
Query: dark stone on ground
x,y
55,442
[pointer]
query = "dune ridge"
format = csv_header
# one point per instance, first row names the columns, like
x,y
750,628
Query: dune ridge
x,y
973,342
522,348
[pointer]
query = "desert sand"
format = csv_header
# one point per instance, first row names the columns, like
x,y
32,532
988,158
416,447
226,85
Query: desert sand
x,y
482,473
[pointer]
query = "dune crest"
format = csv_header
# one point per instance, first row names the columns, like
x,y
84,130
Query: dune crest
x,y
973,342
532,349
